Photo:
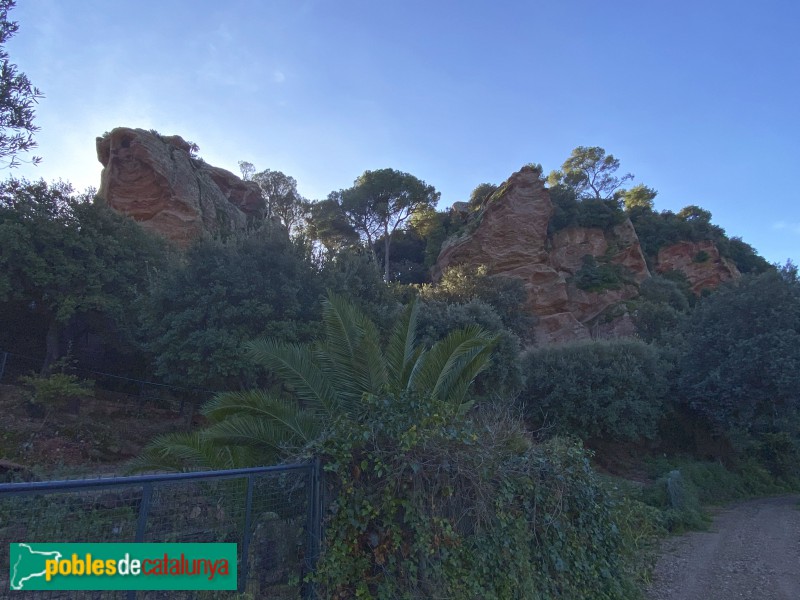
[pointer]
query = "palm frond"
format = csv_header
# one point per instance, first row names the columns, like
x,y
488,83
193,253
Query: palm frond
x,y
455,389
354,360
258,405
296,365
269,439
459,357
187,452
402,350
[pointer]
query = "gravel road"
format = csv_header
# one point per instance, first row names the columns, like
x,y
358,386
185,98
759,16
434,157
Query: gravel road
x,y
751,551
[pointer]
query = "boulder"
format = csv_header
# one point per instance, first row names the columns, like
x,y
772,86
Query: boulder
x,y
155,180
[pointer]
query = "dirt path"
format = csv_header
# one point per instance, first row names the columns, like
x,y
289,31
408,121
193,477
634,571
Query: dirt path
x,y
751,551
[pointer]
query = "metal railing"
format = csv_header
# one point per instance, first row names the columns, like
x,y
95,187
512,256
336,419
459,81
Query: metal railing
x,y
274,514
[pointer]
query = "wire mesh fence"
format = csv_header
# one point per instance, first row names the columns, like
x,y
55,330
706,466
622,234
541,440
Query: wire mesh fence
x,y
273,514
109,387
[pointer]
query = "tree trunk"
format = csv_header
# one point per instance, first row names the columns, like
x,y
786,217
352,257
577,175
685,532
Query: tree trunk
x,y
386,243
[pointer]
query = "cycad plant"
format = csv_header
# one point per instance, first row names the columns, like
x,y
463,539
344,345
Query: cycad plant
x,y
328,382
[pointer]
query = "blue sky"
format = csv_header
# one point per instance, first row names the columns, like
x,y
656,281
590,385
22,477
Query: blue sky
x,y
699,100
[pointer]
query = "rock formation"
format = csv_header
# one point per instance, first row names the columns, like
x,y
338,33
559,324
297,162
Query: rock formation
x,y
699,261
155,180
510,236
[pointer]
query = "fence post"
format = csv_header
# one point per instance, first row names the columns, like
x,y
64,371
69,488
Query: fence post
x,y
313,526
3,364
141,522
248,511
144,510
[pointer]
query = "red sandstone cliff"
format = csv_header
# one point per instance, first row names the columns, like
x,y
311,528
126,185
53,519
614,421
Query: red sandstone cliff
x,y
155,180
699,261
510,237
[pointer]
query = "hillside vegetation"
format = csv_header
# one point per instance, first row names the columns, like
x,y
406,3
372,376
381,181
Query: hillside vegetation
x,y
464,458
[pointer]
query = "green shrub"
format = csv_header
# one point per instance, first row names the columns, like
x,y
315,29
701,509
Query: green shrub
x,y
610,389
57,389
741,367
594,276
641,527
686,487
466,508
504,378
506,295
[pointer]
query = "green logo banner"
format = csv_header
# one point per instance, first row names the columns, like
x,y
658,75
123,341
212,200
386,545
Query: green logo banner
x,y
122,566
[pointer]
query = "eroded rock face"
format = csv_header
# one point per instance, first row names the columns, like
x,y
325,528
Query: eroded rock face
x,y
699,261
155,180
511,238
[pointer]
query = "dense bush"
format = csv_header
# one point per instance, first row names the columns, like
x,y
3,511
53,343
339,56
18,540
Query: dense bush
x,y
569,211
467,508
596,389
741,368
506,295
70,268
661,308
504,378
199,313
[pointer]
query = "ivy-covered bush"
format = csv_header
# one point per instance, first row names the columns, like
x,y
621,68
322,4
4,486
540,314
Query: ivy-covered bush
x,y
428,506
610,389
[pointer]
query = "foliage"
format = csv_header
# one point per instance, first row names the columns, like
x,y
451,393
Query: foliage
x,y
641,527
663,290
694,213
464,508
568,211
56,388
506,295
591,173
281,197
330,384
200,312
17,98
480,195
353,272
743,255
741,368
328,225
594,276
655,320
504,380
683,488
380,202
639,196
692,223
661,308
63,256
611,389
434,227
407,264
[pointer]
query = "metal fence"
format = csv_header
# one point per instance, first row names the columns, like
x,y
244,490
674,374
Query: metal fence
x,y
273,514
111,387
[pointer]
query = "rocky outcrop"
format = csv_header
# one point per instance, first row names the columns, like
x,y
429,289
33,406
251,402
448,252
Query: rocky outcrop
x,y
700,262
155,180
510,237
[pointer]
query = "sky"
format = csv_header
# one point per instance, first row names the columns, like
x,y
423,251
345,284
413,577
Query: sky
x,y
698,99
